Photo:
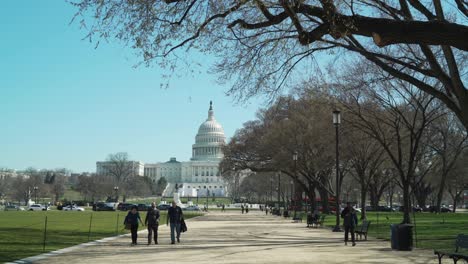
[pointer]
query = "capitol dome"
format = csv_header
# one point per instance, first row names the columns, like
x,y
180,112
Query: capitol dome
x,y
209,140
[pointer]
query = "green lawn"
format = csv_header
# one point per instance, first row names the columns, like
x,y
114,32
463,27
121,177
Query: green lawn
x,y
22,233
433,231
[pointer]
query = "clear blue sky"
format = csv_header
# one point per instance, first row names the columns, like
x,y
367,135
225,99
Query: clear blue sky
x,y
65,104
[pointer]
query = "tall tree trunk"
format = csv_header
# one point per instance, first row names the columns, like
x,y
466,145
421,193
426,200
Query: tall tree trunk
x,y
363,204
312,198
373,197
406,204
440,193
421,194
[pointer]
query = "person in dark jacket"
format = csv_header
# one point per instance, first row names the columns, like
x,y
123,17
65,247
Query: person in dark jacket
x,y
349,222
242,208
132,219
152,222
174,217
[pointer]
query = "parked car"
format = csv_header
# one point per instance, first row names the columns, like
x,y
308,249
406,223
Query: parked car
x,y
73,208
433,209
13,208
143,207
163,207
125,206
37,207
192,208
415,209
104,207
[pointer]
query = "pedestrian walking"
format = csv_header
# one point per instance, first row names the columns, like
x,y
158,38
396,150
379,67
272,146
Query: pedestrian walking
x,y
174,217
266,210
131,222
246,209
152,223
242,208
222,207
349,222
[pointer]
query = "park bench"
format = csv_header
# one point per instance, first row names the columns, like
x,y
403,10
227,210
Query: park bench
x,y
363,229
298,218
315,222
460,243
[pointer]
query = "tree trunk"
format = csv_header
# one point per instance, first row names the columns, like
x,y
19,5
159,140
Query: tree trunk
x,y
421,197
406,204
363,204
391,200
440,193
312,198
374,200
455,205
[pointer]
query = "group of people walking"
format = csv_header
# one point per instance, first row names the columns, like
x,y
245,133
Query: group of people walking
x,y
175,220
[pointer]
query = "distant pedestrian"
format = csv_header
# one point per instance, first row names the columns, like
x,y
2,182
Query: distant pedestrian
x,y
131,222
246,209
266,210
152,222
242,208
349,222
222,208
174,217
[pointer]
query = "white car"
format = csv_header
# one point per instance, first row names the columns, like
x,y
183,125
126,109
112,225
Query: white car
x,y
73,208
37,207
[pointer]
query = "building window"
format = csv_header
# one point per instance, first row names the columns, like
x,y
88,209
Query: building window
x,y
204,187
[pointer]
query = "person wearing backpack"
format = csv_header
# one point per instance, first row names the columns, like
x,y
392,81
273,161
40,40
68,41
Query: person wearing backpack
x,y
349,222
152,222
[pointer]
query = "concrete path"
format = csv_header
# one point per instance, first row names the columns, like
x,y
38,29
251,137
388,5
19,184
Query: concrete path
x,y
234,238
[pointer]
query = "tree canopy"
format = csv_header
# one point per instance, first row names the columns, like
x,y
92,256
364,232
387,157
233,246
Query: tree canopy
x,y
262,44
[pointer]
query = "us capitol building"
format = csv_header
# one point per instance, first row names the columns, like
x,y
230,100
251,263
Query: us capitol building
x,y
201,173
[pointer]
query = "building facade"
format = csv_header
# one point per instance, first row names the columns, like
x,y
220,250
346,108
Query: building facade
x,y
201,175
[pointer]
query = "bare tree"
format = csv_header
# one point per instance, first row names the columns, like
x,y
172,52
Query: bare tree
x,y
457,180
448,140
263,44
58,186
394,114
119,166
367,156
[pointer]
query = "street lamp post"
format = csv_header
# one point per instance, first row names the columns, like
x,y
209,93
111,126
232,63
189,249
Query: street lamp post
x,y
295,156
35,193
207,195
292,195
279,190
116,190
271,188
336,122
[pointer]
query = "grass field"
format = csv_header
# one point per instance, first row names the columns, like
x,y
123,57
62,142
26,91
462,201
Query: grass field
x,y
432,231
22,233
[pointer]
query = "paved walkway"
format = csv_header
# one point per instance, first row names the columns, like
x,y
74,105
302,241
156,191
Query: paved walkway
x,y
234,238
